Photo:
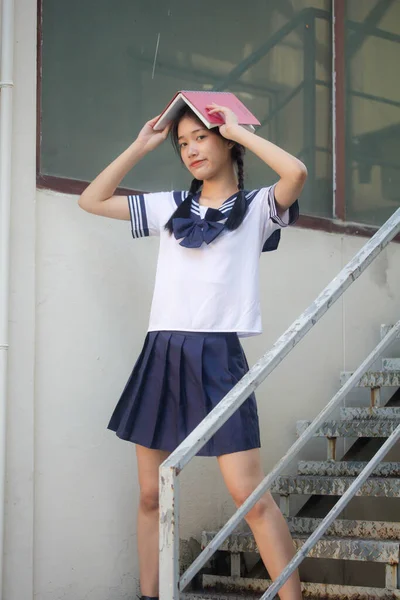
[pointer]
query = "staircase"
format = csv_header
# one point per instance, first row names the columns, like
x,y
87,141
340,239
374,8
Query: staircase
x,y
368,541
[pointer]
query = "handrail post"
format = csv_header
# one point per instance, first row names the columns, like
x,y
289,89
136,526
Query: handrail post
x,y
169,533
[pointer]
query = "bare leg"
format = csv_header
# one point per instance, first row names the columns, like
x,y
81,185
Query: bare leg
x,y
148,462
242,472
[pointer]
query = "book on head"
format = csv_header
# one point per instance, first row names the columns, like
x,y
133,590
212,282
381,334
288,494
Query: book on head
x,y
198,102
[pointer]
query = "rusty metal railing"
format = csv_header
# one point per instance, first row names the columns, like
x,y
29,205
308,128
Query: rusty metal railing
x,y
171,582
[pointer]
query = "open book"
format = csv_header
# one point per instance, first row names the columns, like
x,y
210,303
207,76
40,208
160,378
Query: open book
x,y
198,101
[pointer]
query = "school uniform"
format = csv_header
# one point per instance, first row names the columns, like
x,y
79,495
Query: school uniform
x,y
206,297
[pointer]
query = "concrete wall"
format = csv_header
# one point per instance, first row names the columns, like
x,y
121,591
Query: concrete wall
x,y
80,297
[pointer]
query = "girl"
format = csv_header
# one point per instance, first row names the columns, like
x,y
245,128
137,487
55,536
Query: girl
x,y
206,296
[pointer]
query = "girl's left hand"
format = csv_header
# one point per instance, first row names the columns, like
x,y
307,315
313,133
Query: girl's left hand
x,y
228,115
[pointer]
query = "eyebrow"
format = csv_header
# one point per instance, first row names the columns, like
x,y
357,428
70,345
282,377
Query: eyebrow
x,y
194,131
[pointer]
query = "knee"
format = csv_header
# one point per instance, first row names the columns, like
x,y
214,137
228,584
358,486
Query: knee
x,y
149,498
263,507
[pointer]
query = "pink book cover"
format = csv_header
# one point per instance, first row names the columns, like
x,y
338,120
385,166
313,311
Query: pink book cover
x,y
199,100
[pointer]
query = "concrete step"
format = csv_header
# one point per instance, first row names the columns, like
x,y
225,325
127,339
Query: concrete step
x,y
391,364
375,379
360,414
243,588
362,429
374,530
218,595
332,468
330,547
377,487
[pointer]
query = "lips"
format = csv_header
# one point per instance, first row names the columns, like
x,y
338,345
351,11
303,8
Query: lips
x,y
197,163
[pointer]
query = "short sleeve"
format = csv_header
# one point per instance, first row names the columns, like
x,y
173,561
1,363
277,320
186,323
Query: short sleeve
x,y
150,212
272,221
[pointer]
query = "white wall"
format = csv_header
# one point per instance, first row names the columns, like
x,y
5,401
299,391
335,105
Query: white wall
x,y
80,296
19,533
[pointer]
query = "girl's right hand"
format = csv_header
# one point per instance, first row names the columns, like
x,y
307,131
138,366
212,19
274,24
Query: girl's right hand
x,y
149,138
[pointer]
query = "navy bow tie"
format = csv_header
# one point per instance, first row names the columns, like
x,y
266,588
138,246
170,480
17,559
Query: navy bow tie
x,y
194,233
197,231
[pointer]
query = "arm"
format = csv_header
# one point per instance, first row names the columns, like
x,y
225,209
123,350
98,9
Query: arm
x,y
98,197
292,172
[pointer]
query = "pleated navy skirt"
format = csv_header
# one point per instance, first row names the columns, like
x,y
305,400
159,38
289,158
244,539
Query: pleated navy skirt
x,y
177,380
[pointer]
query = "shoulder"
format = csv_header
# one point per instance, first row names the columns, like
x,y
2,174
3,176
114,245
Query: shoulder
x,y
165,200
172,197
261,194
179,196
151,209
260,198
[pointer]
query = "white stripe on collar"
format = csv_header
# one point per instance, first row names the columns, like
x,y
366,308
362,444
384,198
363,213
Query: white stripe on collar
x,y
224,208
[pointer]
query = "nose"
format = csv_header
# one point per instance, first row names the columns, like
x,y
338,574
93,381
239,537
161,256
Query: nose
x,y
192,150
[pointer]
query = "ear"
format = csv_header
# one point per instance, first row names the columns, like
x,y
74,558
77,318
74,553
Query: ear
x,y
230,145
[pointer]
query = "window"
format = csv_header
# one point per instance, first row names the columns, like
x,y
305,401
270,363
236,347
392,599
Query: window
x,y
372,107
108,66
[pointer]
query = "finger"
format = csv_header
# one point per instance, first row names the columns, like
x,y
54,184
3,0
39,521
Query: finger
x,y
153,121
224,111
214,106
219,106
215,110
167,129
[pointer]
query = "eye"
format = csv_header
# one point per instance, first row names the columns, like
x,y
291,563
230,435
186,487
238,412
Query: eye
x,y
182,144
201,137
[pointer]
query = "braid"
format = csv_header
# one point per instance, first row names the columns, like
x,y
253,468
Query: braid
x,y
183,209
239,208
240,167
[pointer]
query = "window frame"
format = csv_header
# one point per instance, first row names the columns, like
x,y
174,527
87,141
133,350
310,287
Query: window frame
x,y
336,224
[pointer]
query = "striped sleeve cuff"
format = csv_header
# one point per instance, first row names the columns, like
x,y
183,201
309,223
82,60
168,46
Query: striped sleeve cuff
x,y
137,209
289,217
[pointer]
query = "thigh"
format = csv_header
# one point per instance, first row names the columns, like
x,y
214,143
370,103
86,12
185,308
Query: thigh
x,y
148,463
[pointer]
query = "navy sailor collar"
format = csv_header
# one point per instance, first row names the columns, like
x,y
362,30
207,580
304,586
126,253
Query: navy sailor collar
x,y
221,214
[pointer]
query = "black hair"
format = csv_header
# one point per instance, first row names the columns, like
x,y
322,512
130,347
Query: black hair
x,y
239,208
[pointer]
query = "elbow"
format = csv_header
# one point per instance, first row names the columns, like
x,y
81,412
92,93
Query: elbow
x,y
81,202
300,173
84,203
298,178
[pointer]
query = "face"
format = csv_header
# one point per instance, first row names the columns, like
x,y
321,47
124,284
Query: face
x,y
203,152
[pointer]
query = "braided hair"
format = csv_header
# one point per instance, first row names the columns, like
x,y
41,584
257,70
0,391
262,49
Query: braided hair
x,y
239,208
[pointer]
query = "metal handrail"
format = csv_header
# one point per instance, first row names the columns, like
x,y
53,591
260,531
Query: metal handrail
x,y
171,468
